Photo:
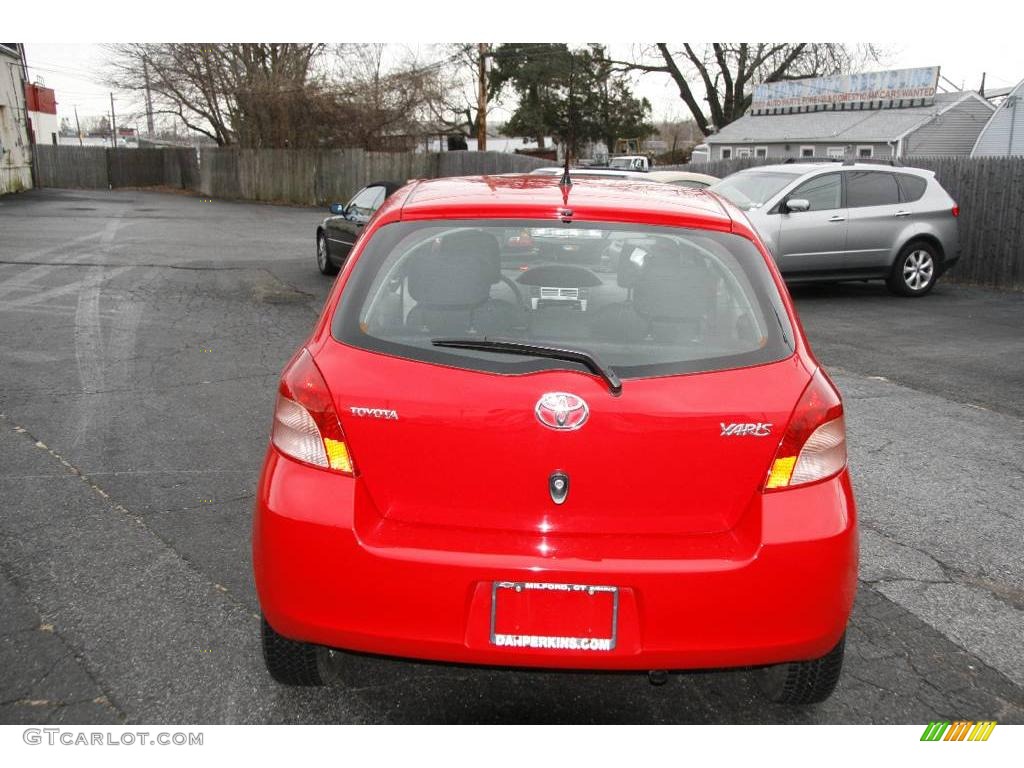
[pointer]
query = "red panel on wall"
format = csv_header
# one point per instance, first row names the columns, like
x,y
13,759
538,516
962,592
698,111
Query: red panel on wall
x,y
40,99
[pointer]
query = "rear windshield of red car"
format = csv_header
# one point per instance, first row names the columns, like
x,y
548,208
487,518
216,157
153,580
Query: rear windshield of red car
x,y
649,301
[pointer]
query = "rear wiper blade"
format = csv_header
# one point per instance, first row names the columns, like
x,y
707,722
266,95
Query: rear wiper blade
x,y
589,359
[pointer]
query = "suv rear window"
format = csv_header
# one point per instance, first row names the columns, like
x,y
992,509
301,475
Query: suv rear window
x,y
648,301
913,187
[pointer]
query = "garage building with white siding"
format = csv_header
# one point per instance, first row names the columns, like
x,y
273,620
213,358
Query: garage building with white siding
x,y
1004,133
949,126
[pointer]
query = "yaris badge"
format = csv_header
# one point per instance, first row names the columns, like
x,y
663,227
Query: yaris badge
x,y
561,410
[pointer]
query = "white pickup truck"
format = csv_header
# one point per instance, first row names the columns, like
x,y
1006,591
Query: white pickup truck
x,y
630,163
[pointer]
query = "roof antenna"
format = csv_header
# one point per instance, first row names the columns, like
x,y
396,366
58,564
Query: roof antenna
x,y
566,179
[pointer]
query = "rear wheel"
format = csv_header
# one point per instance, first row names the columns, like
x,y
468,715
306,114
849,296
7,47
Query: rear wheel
x,y
803,682
915,270
323,261
295,663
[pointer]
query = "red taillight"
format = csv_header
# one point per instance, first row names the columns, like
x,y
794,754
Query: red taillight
x,y
306,425
814,446
956,210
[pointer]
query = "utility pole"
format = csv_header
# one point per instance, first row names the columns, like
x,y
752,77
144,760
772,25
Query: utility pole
x,y
113,123
149,97
481,101
78,126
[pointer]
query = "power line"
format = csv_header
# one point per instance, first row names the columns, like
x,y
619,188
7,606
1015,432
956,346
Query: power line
x,y
65,73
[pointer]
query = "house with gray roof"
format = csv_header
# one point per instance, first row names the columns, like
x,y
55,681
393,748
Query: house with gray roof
x,y
948,126
1004,133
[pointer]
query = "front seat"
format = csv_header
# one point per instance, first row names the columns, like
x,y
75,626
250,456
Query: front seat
x,y
451,285
674,292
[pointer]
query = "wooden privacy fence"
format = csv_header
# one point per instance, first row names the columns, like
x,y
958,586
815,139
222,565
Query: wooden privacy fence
x,y
300,176
319,177
990,193
101,168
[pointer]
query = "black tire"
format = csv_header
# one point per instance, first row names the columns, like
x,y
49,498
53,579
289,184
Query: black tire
x,y
323,261
803,682
291,662
915,270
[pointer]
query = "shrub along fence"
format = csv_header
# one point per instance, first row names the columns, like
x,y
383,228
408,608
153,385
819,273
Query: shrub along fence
x,y
990,193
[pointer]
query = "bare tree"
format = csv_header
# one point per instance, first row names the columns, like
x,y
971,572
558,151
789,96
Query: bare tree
x,y
252,94
385,98
678,135
458,108
728,72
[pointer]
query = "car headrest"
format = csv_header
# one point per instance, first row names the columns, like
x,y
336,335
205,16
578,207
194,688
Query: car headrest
x,y
458,273
481,244
673,286
632,258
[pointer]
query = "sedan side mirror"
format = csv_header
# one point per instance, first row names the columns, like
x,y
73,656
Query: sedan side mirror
x,y
338,209
797,204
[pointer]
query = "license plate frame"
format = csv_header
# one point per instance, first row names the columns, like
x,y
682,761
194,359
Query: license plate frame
x,y
555,642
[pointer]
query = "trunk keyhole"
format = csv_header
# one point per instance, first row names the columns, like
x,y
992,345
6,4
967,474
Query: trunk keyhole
x,y
558,485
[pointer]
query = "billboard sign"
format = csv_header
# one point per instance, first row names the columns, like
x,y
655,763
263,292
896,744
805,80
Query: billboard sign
x,y
868,90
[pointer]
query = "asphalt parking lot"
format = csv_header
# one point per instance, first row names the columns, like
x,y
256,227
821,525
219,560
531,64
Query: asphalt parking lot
x,y
142,336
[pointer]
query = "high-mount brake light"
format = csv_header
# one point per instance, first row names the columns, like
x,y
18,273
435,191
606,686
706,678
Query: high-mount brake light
x,y
814,445
306,425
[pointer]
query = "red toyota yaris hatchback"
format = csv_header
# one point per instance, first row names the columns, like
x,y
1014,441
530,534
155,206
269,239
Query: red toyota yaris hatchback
x,y
543,425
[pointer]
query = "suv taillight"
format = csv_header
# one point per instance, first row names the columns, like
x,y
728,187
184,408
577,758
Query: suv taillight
x,y
814,446
306,425
956,209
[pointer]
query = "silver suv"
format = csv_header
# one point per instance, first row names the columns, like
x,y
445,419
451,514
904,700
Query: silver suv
x,y
855,221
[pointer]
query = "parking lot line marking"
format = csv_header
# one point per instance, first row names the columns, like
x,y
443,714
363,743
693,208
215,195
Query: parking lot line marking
x,y
51,310
45,296
25,280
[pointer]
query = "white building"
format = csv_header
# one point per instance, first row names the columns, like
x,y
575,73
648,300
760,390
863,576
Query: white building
x,y
15,148
1004,133
41,103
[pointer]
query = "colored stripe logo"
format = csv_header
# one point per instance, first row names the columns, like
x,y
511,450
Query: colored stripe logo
x,y
959,730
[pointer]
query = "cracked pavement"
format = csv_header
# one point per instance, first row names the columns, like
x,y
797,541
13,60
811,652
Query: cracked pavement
x,y
143,336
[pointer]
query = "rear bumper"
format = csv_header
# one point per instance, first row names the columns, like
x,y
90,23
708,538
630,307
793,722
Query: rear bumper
x,y
318,582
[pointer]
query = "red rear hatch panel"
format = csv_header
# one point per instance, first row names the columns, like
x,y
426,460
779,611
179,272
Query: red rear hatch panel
x,y
468,454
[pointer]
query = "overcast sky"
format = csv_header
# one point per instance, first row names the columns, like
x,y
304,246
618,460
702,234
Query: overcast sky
x,y
75,72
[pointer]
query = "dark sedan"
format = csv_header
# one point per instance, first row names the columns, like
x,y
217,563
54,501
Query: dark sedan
x,y
336,234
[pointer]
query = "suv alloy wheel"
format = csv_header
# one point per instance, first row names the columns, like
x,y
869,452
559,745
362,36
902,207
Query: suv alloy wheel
x,y
915,270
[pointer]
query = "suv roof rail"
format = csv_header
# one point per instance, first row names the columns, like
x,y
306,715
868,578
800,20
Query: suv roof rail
x,y
790,160
893,162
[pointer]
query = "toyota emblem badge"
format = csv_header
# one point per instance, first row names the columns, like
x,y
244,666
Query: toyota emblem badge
x,y
561,410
